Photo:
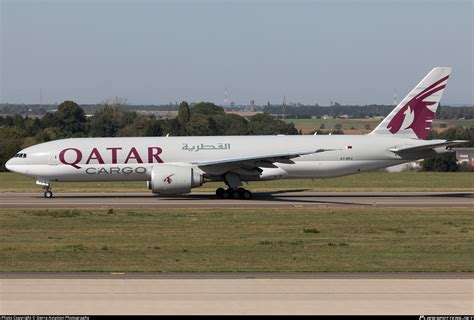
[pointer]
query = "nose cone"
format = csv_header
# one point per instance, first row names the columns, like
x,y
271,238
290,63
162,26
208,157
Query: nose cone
x,y
8,165
13,165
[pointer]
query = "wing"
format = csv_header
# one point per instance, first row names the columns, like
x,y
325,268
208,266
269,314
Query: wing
x,y
261,159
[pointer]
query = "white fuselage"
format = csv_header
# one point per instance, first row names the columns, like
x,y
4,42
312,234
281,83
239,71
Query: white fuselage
x,y
112,159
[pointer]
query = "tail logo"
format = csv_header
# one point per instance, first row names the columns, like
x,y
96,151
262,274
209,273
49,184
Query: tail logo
x,y
416,114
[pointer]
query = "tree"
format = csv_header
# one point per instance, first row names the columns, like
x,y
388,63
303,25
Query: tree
x,y
233,124
171,127
153,128
442,163
265,124
183,114
71,118
109,120
10,143
199,125
212,125
455,133
142,126
207,108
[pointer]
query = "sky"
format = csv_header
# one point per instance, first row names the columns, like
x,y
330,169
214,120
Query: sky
x,y
156,52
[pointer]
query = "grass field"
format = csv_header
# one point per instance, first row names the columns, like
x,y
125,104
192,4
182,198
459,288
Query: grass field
x,y
347,124
359,124
372,181
296,239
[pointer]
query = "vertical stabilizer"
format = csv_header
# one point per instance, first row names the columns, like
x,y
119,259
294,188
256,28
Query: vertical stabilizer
x,y
414,115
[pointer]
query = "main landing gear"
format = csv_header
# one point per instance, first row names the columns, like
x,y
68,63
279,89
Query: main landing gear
x,y
234,190
230,193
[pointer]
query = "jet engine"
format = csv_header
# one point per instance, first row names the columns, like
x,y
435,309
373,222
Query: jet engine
x,y
174,179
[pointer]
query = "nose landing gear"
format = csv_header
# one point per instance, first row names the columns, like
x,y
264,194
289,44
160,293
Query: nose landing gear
x,y
46,187
47,192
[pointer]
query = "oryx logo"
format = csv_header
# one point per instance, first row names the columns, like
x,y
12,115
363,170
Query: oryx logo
x,y
168,179
416,114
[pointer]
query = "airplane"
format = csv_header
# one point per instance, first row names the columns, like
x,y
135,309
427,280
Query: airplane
x,y
175,165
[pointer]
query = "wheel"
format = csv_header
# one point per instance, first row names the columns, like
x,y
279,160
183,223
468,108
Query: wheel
x,y
247,195
48,194
220,192
226,194
236,194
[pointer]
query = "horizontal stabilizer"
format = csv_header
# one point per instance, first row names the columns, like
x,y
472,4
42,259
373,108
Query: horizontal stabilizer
x,y
401,149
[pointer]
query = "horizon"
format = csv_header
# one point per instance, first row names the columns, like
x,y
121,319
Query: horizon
x,y
193,103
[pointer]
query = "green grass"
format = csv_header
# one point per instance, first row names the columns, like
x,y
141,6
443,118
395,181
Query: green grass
x,y
359,124
290,239
371,181
454,123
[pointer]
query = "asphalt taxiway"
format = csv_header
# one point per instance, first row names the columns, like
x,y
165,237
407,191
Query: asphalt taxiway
x,y
291,198
236,293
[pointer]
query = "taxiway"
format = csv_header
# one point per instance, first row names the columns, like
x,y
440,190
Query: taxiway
x,y
236,293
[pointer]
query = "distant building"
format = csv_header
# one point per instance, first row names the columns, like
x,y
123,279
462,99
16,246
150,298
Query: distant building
x,y
251,105
465,156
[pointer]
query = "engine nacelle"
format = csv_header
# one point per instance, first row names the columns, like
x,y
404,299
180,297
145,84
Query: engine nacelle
x,y
174,179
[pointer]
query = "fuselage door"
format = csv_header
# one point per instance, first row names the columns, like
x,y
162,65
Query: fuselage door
x,y
53,159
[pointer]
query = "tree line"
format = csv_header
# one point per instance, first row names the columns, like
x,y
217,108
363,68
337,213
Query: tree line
x,y
294,111
114,120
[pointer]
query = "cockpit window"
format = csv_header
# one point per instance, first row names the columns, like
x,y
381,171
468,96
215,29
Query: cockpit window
x,y
20,155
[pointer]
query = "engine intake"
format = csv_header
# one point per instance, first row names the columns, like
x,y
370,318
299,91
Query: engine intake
x,y
174,179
